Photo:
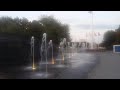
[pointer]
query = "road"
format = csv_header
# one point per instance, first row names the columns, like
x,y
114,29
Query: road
x,y
108,66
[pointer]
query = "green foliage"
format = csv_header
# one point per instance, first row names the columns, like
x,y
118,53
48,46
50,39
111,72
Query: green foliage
x,y
15,35
111,38
54,29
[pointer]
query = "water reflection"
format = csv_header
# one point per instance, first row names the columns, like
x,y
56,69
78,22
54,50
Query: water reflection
x,y
80,61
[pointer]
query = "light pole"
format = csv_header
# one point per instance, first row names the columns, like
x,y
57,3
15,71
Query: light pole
x,y
92,44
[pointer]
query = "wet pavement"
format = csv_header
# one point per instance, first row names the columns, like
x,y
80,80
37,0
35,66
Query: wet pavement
x,y
74,66
81,65
108,66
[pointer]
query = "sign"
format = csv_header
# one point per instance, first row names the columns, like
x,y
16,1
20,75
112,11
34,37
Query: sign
x,y
116,48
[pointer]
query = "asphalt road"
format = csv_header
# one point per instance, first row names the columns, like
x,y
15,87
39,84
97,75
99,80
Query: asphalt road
x,y
108,66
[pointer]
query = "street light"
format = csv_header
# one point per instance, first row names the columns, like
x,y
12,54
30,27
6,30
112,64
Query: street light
x,y
91,12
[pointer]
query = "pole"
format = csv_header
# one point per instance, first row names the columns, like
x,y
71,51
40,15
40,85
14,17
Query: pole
x,y
98,41
92,31
92,46
86,41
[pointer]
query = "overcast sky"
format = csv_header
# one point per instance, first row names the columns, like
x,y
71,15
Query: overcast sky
x,y
79,21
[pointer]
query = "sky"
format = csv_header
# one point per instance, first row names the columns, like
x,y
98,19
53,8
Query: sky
x,y
78,21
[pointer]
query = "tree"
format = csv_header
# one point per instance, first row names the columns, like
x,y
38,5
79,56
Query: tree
x,y
18,32
109,39
55,29
117,35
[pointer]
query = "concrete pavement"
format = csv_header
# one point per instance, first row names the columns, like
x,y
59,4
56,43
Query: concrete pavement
x,y
108,66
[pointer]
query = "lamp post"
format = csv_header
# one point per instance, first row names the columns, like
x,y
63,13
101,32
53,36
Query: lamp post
x,y
92,44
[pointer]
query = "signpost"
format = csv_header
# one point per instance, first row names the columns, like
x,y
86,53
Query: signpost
x,y
116,48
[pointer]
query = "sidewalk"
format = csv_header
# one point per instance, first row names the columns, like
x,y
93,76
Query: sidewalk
x,y
108,67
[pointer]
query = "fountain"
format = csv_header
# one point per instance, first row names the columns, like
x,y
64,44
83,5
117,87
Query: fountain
x,y
44,50
65,46
61,61
68,48
32,52
61,50
61,46
43,47
33,67
76,48
74,45
72,49
51,45
43,54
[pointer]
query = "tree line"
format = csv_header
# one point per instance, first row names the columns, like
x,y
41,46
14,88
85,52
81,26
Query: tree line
x,y
111,37
47,24
16,33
